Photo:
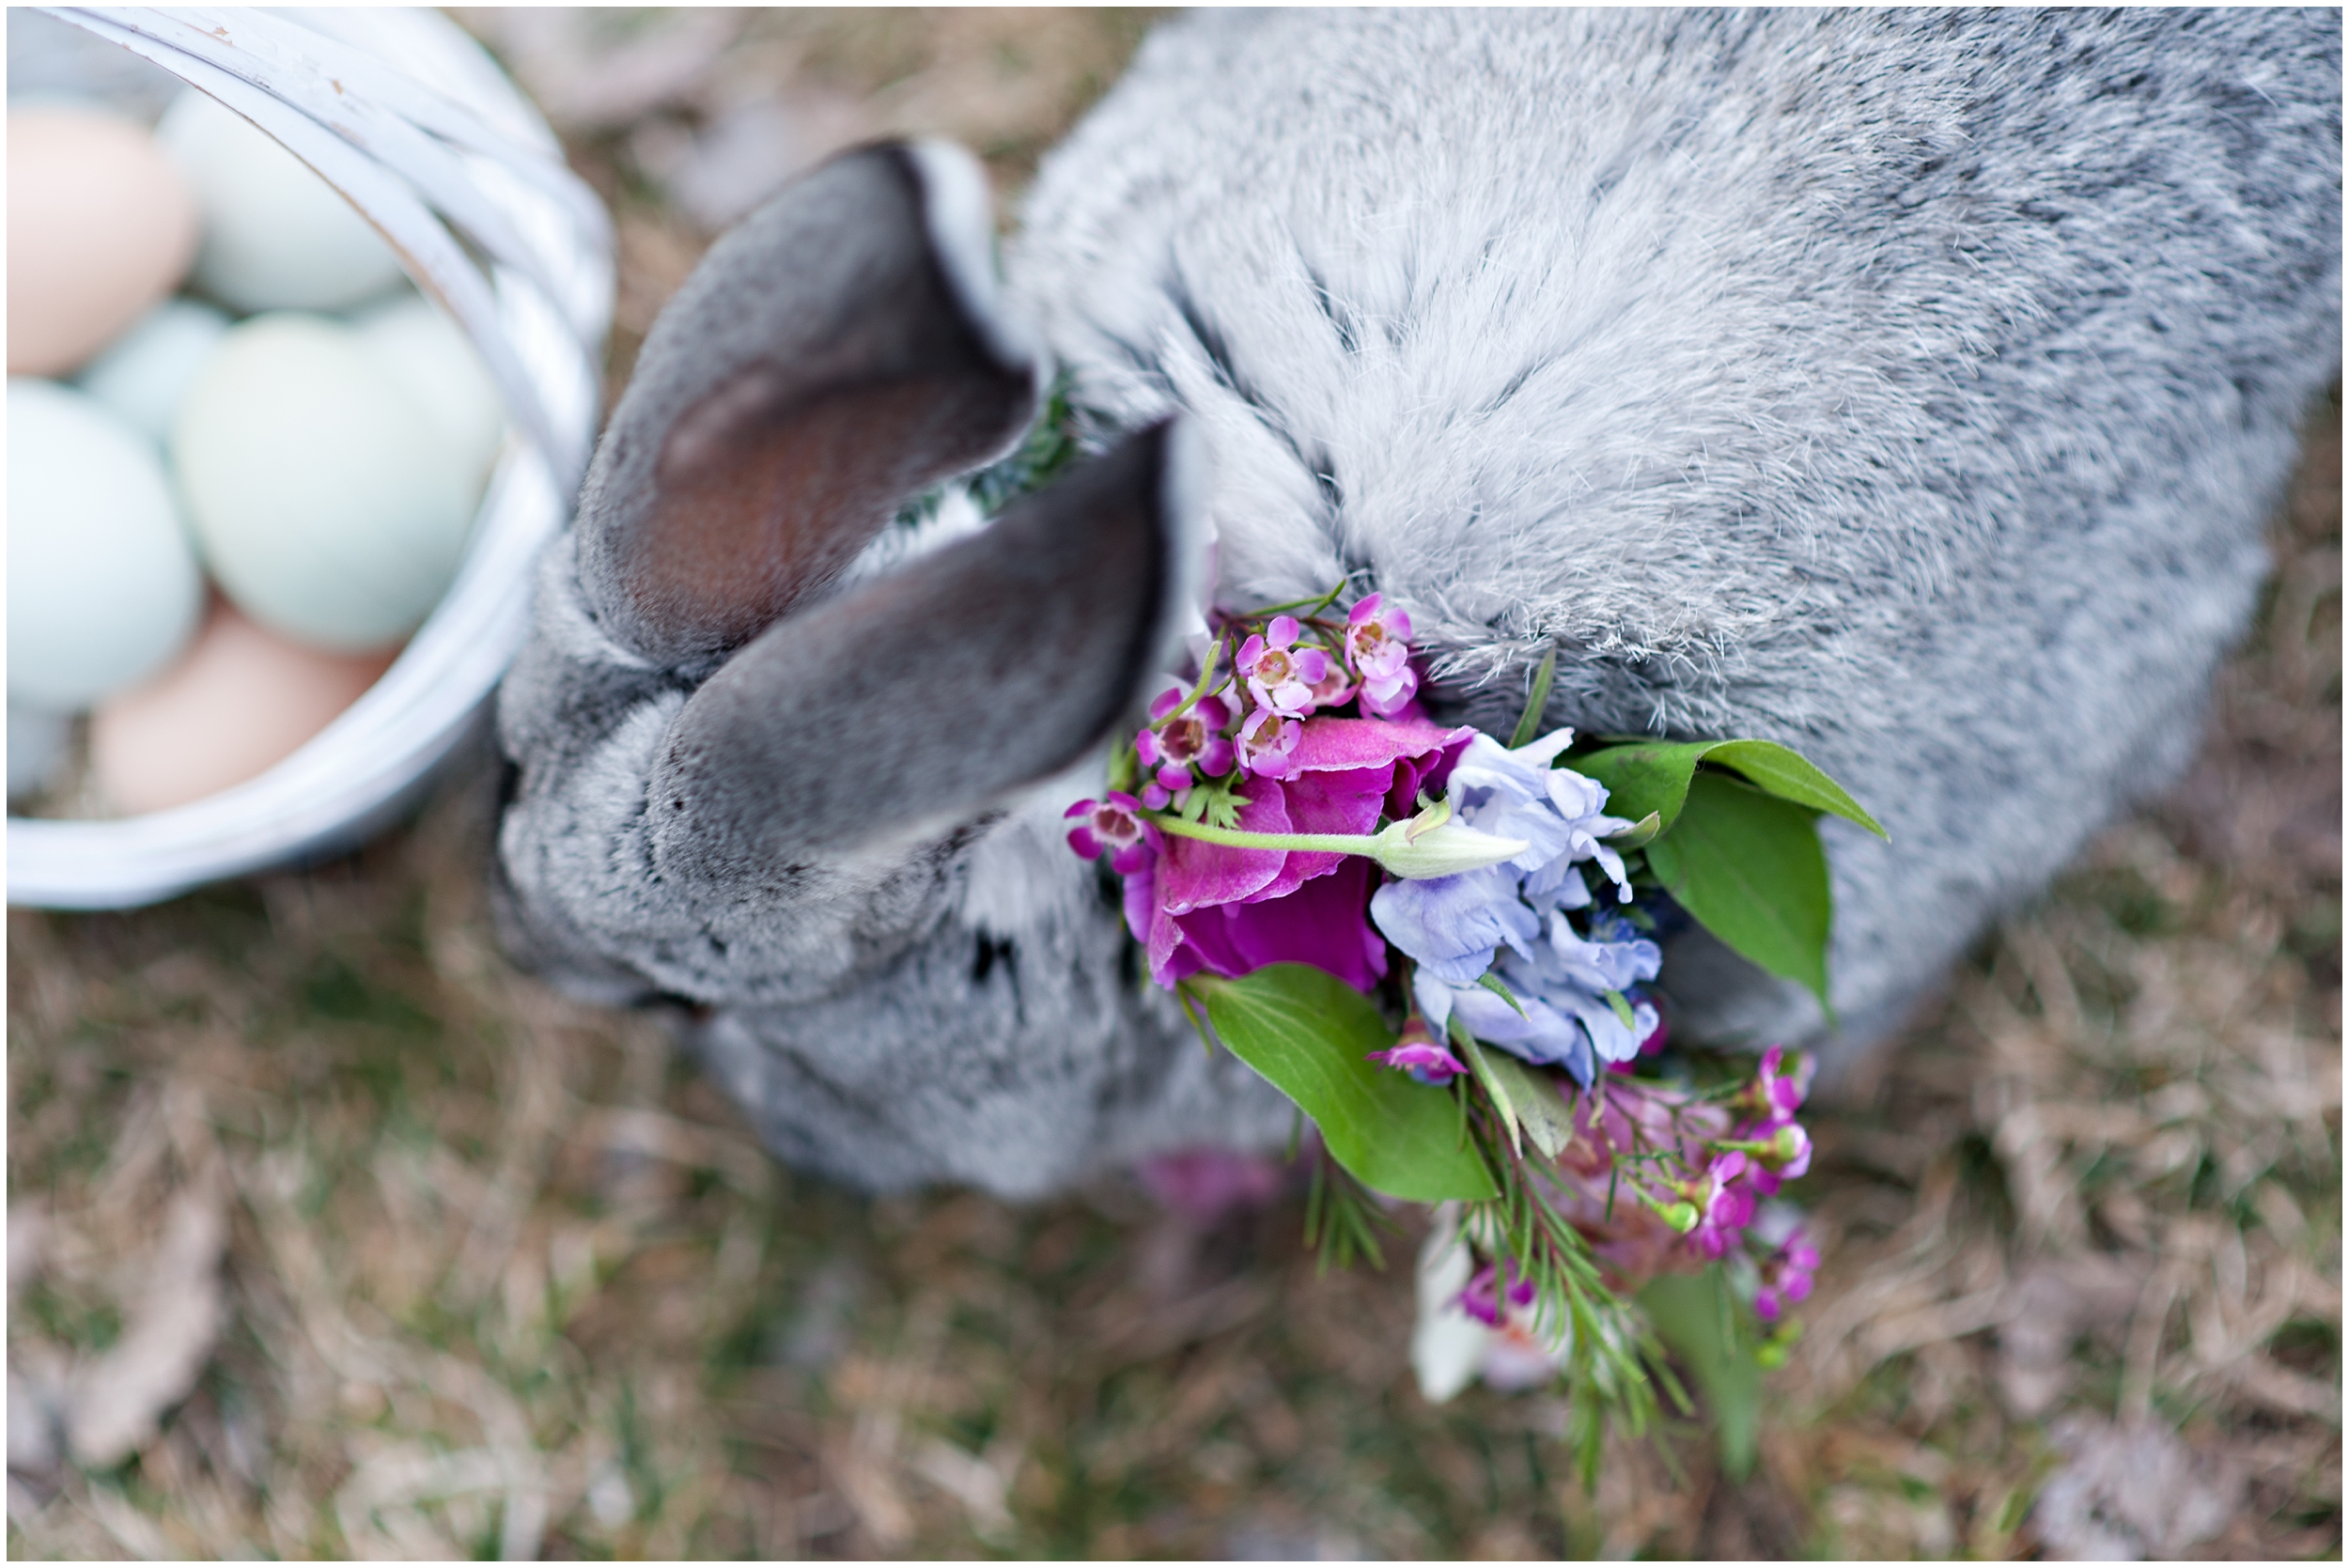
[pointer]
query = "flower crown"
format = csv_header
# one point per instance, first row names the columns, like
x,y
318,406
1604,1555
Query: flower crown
x,y
1445,951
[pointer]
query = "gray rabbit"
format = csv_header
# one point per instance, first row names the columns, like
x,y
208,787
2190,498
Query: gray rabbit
x,y
1908,388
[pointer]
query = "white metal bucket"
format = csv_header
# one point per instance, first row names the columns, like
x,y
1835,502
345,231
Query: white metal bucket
x,y
413,122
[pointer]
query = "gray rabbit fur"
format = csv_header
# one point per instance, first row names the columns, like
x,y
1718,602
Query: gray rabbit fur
x,y
1908,388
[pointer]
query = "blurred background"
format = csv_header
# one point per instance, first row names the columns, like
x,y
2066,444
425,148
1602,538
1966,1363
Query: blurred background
x,y
330,1236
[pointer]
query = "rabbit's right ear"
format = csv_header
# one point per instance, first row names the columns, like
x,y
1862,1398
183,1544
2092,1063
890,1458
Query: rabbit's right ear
x,y
839,351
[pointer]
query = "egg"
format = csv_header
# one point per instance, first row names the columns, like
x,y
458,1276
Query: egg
x,y
36,743
327,506
432,358
277,236
104,586
101,226
241,700
142,378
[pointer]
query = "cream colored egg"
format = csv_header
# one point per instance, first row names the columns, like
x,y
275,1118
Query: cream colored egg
x,y
434,361
101,226
103,587
143,377
277,236
241,700
328,506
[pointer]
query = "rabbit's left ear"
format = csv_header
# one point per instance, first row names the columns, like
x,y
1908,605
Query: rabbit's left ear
x,y
840,350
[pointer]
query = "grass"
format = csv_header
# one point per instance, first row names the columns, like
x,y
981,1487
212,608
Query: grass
x,y
498,1274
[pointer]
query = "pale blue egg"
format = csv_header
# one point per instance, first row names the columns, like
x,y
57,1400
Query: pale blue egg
x,y
328,506
151,367
104,586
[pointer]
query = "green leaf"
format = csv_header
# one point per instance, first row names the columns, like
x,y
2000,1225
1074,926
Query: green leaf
x,y
1530,721
1748,867
1308,1033
1706,1329
1638,834
1499,987
1524,1099
1654,776
1621,1004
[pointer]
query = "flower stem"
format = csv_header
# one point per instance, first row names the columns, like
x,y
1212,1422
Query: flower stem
x,y
1236,838
1207,673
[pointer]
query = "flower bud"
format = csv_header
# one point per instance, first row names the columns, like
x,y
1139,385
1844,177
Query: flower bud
x,y
1429,845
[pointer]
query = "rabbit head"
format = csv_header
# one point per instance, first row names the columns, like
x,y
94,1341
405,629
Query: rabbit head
x,y
751,780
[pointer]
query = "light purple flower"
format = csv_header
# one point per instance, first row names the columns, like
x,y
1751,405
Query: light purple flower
x,y
1452,925
1531,1030
1496,790
1281,676
1377,649
1579,802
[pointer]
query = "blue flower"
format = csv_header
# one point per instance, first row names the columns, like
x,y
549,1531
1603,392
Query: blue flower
x,y
1532,1029
1557,812
1452,925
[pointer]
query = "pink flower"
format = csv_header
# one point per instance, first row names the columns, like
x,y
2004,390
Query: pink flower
x,y
1378,646
1281,676
1267,741
1333,689
1229,911
1416,1051
1111,825
1786,1277
1203,1185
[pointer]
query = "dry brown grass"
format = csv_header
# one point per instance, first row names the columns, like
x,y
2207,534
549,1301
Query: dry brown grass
x,y
470,1268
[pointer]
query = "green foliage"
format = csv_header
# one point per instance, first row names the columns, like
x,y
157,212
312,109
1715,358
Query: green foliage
x,y
1527,1105
1343,1220
1654,776
1530,721
1747,867
1614,1363
1711,1332
1309,1033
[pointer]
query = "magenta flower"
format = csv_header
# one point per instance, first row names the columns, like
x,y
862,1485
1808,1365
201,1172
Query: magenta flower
x,y
1494,1289
1417,1051
1777,1095
1786,1277
1172,746
1280,675
1111,825
1725,1205
1230,912
1787,1158
1266,743
1378,647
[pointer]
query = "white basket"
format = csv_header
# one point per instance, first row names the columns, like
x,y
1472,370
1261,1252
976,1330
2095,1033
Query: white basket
x,y
411,120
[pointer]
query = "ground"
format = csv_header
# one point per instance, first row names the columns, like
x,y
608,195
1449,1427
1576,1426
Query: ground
x,y
443,1265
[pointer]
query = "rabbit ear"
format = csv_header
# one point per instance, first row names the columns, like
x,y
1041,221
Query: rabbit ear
x,y
922,697
837,351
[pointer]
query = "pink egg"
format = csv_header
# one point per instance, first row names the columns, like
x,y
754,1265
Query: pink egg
x,y
241,701
101,226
